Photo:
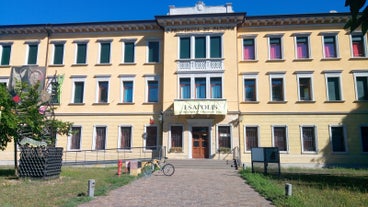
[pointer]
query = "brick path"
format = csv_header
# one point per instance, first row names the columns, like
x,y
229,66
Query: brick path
x,y
187,187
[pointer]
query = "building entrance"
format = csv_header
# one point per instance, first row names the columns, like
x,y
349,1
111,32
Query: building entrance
x,y
200,142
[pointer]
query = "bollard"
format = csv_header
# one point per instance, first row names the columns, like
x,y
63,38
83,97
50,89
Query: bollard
x,y
91,187
120,165
288,189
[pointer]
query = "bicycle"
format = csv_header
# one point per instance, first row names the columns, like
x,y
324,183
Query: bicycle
x,y
158,165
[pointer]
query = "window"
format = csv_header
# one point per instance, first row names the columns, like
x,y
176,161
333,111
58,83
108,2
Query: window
x,y
54,89
105,49
251,137
100,138
308,136
32,54
358,45
151,137
125,141
277,87
249,51
185,88
78,90
75,138
200,88
103,91
330,46
361,85
152,89
250,87
81,53
337,139
127,91
333,85
275,51
364,136
302,47
216,87
5,51
153,52
128,51
58,53
4,81
205,46
176,136
224,137
280,137
305,87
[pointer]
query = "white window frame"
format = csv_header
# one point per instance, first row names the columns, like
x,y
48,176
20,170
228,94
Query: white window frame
x,y
281,36
307,35
192,78
333,74
363,73
2,44
345,137
147,50
286,138
69,142
29,43
54,43
250,76
315,137
208,44
131,137
152,78
4,79
254,38
95,136
274,76
99,51
102,78
77,42
124,78
335,34
123,42
245,135
78,79
364,44
182,140
306,74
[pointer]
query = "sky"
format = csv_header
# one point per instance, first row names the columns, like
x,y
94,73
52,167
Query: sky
x,y
20,12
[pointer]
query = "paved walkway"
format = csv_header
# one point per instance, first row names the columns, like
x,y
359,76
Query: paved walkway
x,y
187,187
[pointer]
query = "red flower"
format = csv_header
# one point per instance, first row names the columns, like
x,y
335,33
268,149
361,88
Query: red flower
x,y
16,99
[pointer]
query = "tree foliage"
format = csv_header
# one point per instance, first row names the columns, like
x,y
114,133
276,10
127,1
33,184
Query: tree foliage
x,y
358,18
8,119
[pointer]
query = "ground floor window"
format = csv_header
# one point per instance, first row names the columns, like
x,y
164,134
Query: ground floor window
x,y
364,134
308,139
251,137
176,138
125,137
100,139
75,139
280,137
224,138
337,139
151,137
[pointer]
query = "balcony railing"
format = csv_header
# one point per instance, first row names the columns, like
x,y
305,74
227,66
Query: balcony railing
x,y
200,65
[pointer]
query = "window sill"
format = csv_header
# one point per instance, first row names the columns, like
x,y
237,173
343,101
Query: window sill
x,y
5,66
358,58
342,101
249,102
128,64
79,64
125,150
56,65
360,101
149,103
101,104
331,59
303,60
126,103
103,64
76,104
74,150
151,63
277,102
305,102
248,61
275,60
309,153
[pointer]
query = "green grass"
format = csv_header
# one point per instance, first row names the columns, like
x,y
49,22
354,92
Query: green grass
x,y
313,187
69,190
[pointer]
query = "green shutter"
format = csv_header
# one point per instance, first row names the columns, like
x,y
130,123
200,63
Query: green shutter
x,y
78,92
82,53
200,47
32,54
5,57
215,47
105,53
129,52
153,51
59,53
184,48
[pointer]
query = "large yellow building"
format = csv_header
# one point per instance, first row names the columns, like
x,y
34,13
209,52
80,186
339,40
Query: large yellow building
x,y
205,82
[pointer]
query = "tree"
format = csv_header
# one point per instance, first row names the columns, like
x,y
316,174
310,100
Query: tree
x,y
358,19
8,119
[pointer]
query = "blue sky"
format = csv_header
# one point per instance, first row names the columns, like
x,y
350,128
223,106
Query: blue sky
x,y
15,12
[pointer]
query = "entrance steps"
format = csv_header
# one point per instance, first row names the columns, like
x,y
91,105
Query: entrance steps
x,y
201,163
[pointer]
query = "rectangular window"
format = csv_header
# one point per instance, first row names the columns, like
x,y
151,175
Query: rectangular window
x,y
32,54
127,91
277,89
81,53
333,89
200,47
153,52
337,139
58,54
105,52
358,45
55,95
153,91
5,51
302,47
151,137
100,139
176,136
279,138
224,137
200,88
125,137
103,91
250,90
75,141
251,137
184,47
275,48
215,47
249,49
129,52
364,136
361,87
330,47
308,139
78,92
305,88
216,87
185,88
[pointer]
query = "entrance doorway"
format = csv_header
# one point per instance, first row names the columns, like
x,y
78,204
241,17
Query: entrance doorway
x,y
200,142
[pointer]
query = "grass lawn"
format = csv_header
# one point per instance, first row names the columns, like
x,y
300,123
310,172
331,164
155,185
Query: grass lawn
x,y
313,187
70,189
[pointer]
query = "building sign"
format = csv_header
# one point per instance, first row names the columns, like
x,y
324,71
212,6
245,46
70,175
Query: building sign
x,y
216,107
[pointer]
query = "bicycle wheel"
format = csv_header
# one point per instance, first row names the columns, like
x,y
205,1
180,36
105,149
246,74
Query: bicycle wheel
x,y
168,169
148,169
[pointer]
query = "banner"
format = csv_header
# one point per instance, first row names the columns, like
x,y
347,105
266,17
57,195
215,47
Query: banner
x,y
27,74
215,107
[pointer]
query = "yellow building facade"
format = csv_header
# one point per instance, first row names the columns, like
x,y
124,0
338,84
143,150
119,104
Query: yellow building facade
x,y
205,83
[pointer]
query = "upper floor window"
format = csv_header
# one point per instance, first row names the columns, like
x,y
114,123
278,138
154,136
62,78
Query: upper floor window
x,y
361,85
333,86
4,81
305,86
81,52
5,51
200,87
128,50
54,88
58,53
275,47
216,87
330,46
185,88
277,87
358,45
32,53
153,51
127,89
200,47
250,87
78,90
249,49
152,89
105,52
102,89
302,47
